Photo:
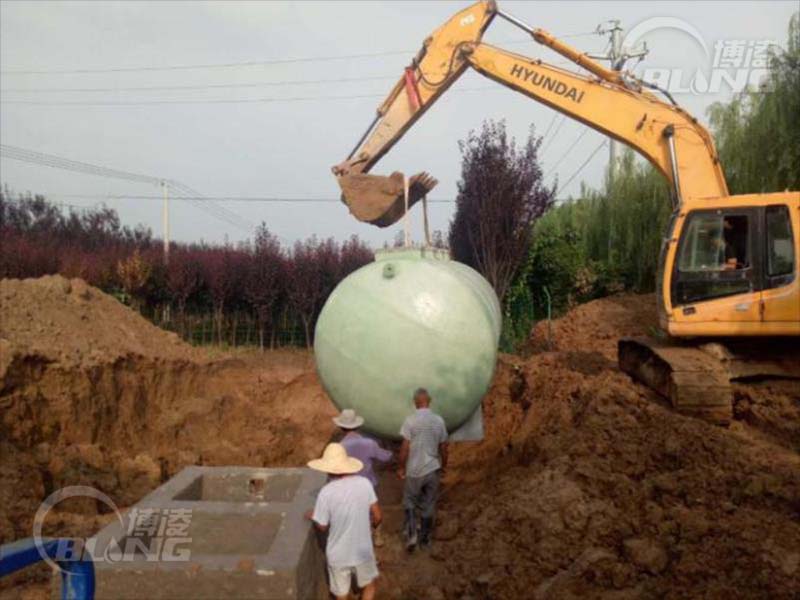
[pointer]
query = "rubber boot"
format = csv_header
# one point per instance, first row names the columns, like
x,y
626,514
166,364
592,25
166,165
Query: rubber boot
x,y
426,532
410,530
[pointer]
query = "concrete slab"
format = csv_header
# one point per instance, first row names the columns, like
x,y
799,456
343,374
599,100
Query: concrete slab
x,y
217,532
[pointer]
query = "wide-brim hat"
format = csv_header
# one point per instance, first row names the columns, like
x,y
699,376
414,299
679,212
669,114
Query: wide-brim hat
x,y
348,419
336,462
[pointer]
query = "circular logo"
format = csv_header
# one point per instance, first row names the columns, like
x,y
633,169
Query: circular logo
x,y
72,491
657,23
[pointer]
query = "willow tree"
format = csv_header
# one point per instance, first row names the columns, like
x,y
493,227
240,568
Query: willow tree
x,y
758,132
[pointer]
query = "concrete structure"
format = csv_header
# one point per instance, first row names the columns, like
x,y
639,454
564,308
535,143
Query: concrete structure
x,y
245,536
413,318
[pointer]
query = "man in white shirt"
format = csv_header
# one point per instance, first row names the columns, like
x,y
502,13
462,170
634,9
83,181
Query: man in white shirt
x,y
346,507
423,458
364,449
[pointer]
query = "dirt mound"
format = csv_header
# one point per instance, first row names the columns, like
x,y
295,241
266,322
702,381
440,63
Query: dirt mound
x,y
595,488
93,394
69,322
596,326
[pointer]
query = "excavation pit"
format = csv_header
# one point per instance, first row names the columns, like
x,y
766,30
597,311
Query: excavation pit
x,y
214,532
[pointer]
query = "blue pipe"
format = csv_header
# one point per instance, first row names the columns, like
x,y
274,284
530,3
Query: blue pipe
x,y
77,575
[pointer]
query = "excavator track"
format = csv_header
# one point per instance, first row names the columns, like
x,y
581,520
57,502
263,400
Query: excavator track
x,y
693,381
696,377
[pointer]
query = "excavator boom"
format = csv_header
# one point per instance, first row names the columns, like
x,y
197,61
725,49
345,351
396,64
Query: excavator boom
x,y
664,133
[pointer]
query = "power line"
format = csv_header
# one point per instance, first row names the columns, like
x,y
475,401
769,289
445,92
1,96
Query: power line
x,y
58,162
63,205
51,160
586,162
212,101
198,200
164,88
223,199
550,125
249,63
212,86
267,199
555,133
563,156
191,101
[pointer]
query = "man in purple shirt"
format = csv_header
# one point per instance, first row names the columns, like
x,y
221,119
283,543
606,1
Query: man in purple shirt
x,y
363,448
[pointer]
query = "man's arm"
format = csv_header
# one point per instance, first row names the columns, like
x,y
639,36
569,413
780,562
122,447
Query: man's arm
x,y
310,516
375,514
443,455
321,528
380,454
320,514
402,458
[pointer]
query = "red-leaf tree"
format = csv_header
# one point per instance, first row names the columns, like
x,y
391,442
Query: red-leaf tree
x,y
313,272
184,276
353,255
500,195
222,271
264,281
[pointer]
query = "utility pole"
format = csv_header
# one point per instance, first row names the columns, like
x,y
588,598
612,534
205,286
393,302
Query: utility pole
x,y
617,55
165,219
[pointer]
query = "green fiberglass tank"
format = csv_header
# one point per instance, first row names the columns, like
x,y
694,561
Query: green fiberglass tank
x,y
413,318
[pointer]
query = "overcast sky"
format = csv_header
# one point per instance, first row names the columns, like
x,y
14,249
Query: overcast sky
x,y
285,148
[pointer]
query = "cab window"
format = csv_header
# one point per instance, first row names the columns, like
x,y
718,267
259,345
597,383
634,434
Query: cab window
x,y
780,246
715,243
715,257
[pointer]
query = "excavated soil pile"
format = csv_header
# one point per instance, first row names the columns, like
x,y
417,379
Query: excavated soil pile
x,y
93,394
590,486
587,485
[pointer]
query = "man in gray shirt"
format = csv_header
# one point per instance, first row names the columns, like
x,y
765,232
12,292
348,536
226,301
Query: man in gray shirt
x,y
422,460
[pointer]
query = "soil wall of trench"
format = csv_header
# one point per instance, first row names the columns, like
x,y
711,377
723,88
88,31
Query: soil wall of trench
x,y
585,486
93,394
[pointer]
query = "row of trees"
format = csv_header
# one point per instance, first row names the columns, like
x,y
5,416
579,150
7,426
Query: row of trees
x,y
272,290
606,241
539,258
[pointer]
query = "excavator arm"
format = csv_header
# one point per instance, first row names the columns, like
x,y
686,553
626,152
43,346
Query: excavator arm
x,y
607,101
381,200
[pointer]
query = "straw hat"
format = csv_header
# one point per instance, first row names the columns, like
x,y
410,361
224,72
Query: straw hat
x,y
349,419
336,462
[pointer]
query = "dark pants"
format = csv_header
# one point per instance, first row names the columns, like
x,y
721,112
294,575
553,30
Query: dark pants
x,y
419,495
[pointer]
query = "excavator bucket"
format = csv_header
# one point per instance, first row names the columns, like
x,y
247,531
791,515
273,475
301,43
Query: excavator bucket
x,y
380,200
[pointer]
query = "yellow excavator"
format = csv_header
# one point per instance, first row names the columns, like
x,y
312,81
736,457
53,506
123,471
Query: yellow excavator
x,y
728,284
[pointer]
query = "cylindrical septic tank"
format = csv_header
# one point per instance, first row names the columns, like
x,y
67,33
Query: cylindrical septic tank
x,y
413,318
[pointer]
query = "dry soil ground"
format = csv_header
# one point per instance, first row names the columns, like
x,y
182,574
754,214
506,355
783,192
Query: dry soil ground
x,y
587,485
